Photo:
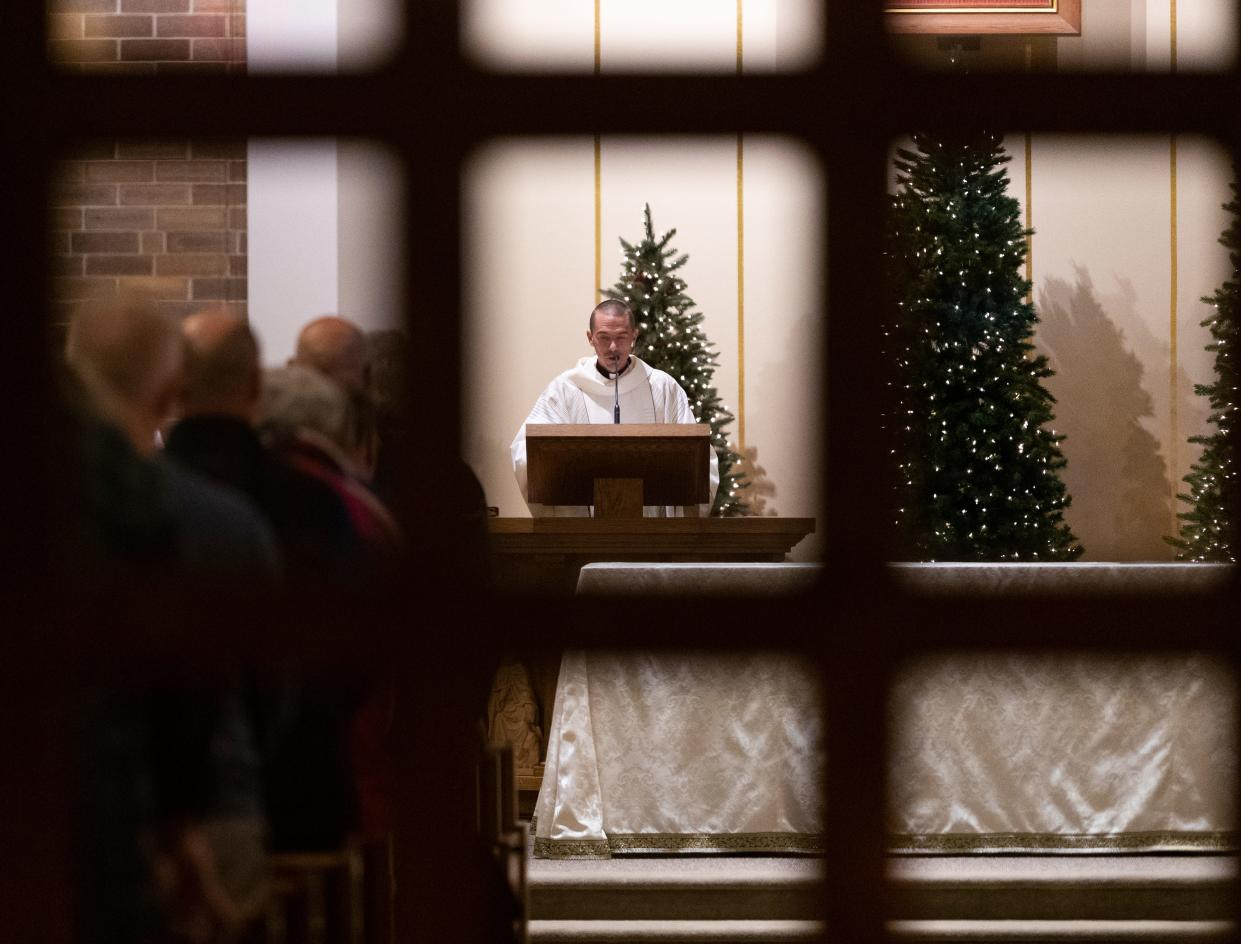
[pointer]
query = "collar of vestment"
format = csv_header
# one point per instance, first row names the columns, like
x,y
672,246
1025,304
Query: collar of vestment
x,y
586,376
607,374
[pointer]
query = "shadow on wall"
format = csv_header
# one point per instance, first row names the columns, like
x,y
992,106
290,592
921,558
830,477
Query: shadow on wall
x,y
773,381
1193,411
758,486
1116,474
785,418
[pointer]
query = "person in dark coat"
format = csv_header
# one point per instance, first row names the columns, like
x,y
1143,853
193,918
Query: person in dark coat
x,y
169,815
216,437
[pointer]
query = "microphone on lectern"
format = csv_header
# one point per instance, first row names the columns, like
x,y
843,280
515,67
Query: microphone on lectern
x,y
616,394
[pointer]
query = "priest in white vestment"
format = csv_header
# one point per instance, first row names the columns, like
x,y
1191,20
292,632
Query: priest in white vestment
x,y
586,393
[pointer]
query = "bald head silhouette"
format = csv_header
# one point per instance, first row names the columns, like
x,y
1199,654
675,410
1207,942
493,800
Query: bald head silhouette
x,y
337,349
222,375
129,359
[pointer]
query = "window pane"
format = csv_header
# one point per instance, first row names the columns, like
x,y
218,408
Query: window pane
x,y
1020,784
648,35
180,36
1095,36
531,285
1125,245
664,753
188,273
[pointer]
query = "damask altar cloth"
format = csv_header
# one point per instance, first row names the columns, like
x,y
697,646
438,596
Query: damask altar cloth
x,y
995,752
1062,753
1008,752
681,752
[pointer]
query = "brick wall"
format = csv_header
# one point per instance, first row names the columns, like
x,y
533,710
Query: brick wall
x,y
167,216
148,36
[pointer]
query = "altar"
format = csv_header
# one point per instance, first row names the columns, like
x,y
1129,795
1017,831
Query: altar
x,y
671,752
547,555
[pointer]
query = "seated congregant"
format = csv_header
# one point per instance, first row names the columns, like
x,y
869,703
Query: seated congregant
x,y
128,361
169,815
308,421
216,436
388,388
336,348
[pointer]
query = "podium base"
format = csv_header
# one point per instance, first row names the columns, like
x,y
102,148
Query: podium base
x,y
618,498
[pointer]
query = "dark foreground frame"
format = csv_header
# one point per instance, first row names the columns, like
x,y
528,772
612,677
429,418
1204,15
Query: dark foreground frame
x,y
434,634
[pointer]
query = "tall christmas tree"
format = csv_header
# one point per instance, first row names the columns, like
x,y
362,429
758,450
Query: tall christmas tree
x,y
1207,529
978,469
671,340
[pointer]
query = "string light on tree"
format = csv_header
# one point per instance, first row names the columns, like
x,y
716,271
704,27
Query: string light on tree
x,y
978,467
672,341
1207,532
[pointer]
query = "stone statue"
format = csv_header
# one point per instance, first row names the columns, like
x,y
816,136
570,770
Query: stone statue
x,y
512,714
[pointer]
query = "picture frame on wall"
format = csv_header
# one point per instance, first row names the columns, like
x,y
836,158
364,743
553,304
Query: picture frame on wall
x,y
985,17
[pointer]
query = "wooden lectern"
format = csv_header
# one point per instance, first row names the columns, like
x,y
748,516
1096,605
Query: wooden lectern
x,y
618,468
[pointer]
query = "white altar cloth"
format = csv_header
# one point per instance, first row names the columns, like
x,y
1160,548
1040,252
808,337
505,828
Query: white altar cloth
x,y
1003,752
681,752
995,752
710,580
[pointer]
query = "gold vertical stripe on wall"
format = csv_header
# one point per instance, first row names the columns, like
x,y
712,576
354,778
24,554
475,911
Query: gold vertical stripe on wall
x,y
740,33
1172,36
1030,214
598,173
740,291
598,220
1174,449
1029,194
1174,432
740,249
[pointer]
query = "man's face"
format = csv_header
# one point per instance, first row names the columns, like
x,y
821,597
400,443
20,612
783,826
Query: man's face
x,y
612,339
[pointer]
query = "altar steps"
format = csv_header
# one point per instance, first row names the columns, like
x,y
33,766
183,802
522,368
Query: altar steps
x,y
1015,899
922,932
638,931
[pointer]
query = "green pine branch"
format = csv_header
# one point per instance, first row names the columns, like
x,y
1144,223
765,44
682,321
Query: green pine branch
x,y
1207,529
672,340
978,465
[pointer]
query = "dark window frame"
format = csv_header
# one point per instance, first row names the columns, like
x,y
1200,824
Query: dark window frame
x,y
435,108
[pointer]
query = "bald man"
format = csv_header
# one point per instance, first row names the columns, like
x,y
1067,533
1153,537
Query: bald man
x,y
336,348
129,360
222,373
215,436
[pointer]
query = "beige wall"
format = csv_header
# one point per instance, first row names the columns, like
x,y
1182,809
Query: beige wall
x,y
1102,268
654,35
369,234
1133,35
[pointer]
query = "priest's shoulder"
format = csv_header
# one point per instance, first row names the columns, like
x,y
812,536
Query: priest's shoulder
x,y
655,374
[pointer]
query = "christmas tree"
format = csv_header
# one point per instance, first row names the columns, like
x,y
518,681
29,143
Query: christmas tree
x,y
978,469
1206,529
671,339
